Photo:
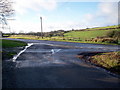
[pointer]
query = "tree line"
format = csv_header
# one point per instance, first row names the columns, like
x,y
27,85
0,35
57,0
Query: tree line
x,y
59,33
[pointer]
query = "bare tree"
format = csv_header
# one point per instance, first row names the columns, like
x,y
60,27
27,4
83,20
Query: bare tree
x,y
6,10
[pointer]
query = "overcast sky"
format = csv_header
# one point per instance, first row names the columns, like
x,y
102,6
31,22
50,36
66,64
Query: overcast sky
x,y
62,15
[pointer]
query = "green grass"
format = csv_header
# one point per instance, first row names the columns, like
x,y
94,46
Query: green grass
x,y
107,27
25,37
86,34
110,61
12,43
58,39
6,44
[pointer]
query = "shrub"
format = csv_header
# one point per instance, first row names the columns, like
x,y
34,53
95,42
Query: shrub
x,y
117,35
110,33
114,34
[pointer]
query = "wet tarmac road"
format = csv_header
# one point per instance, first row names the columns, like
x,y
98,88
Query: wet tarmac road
x,y
55,65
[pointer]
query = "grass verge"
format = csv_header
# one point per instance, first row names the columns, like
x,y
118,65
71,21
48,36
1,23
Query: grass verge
x,y
109,61
57,39
12,43
6,46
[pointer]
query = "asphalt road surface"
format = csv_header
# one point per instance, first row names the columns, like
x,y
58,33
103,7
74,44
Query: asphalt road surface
x,y
50,64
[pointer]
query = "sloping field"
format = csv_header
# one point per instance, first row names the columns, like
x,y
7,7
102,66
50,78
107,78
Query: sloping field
x,y
104,28
86,34
91,33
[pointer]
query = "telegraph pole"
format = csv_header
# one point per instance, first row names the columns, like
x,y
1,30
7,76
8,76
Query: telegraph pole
x,y
41,28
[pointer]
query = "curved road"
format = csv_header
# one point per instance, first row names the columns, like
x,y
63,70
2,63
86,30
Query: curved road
x,y
51,64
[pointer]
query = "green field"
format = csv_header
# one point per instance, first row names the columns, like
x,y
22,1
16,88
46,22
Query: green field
x,y
107,27
11,43
92,32
86,34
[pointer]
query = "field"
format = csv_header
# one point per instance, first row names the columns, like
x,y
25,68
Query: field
x,y
101,28
86,34
92,32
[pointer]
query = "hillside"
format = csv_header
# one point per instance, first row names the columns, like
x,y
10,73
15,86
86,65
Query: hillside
x,y
104,28
86,34
92,32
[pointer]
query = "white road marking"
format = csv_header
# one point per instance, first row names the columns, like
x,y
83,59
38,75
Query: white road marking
x,y
16,56
55,51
